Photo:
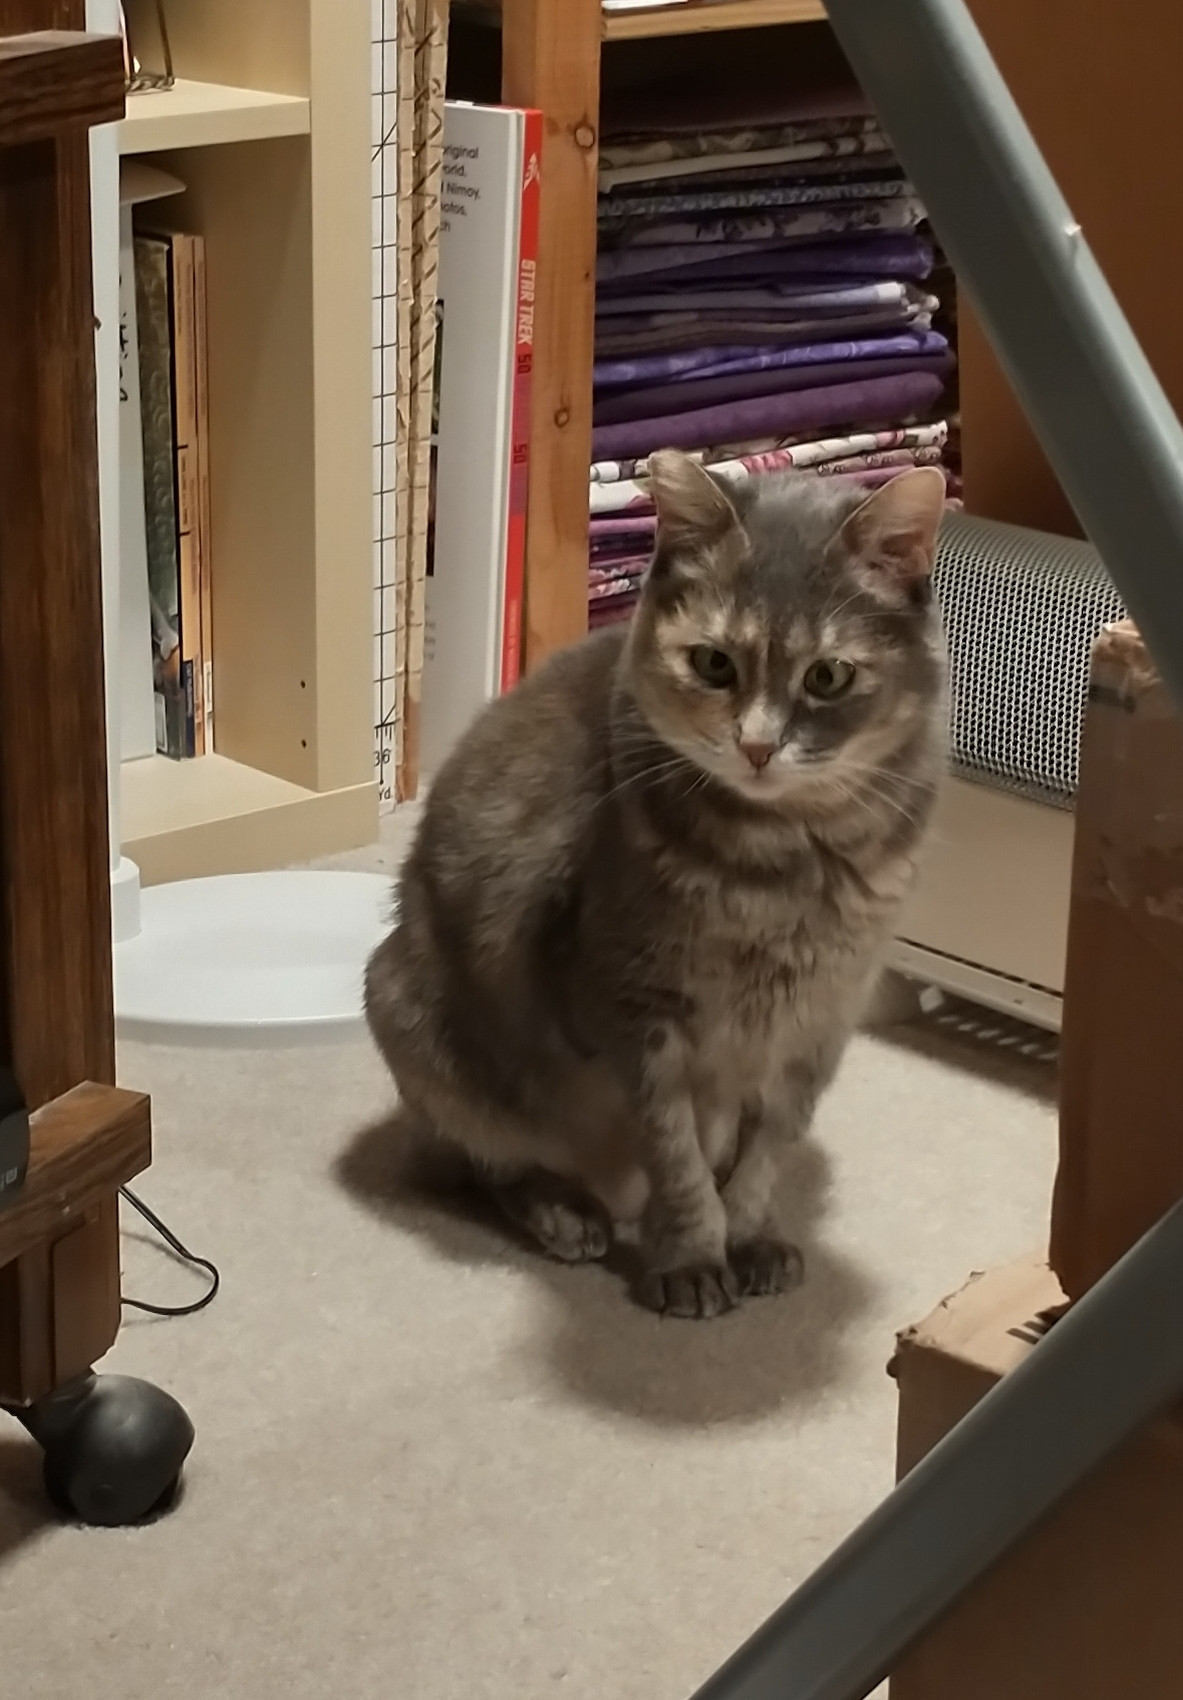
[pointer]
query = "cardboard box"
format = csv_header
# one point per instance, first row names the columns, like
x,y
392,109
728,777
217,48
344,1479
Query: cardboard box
x,y
1121,1055
1087,1607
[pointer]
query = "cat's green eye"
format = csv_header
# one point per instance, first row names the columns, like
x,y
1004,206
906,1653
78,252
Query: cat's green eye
x,y
829,680
713,666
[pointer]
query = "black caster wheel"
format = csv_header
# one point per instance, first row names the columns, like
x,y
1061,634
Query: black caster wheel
x,y
114,1447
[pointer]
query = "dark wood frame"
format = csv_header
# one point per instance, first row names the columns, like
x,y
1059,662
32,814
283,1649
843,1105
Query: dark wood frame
x,y
59,1251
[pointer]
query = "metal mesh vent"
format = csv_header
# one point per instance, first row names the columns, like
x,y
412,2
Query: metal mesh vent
x,y
1021,610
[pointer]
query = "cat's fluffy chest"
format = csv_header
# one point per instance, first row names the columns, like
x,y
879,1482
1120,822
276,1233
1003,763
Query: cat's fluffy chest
x,y
779,953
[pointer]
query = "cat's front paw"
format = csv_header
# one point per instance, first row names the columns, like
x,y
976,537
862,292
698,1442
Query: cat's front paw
x,y
765,1267
699,1292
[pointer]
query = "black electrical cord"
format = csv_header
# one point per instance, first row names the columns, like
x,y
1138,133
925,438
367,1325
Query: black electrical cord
x,y
183,1252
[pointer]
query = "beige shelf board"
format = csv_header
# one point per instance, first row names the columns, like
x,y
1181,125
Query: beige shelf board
x,y
185,819
702,15
195,115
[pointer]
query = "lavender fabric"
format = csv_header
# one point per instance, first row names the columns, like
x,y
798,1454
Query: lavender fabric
x,y
619,406
874,400
875,255
665,332
721,362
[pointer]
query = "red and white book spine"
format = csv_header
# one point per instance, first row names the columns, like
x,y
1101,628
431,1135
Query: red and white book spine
x,y
523,383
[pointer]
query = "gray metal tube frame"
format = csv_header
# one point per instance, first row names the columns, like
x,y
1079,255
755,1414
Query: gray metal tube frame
x,y
1111,1362
1116,1358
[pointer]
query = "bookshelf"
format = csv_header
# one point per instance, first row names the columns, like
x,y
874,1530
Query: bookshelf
x,y
268,128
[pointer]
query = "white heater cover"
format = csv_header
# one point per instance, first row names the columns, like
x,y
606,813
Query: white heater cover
x,y
1021,610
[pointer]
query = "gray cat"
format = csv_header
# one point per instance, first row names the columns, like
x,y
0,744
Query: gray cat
x,y
651,885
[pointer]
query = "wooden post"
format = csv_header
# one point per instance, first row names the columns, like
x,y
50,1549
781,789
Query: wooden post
x,y
551,60
59,1287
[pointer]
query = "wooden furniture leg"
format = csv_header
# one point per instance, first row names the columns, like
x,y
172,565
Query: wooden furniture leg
x,y
551,60
113,1446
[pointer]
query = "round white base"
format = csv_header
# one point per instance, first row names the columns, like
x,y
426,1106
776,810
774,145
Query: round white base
x,y
251,959
125,901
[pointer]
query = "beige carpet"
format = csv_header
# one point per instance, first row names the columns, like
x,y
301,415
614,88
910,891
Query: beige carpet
x,y
431,1466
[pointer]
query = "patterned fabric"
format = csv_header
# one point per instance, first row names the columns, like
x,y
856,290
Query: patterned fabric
x,y
720,362
619,152
619,486
618,209
660,247
718,155
758,282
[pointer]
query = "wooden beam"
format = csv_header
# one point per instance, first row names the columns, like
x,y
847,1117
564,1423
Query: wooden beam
x,y
551,60
84,1145
59,1239
55,79
56,1018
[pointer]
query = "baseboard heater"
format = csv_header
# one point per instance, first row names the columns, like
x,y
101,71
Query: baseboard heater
x,y
989,917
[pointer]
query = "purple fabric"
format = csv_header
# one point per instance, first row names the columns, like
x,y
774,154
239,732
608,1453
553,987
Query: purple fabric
x,y
615,527
620,406
611,610
878,255
774,300
617,268
662,333
719,362
874,401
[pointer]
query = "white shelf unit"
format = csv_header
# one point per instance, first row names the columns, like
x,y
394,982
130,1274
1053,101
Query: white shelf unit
x,y
195,115
268,127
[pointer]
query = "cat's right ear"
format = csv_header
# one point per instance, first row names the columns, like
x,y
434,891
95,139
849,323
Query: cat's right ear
x,y
693,509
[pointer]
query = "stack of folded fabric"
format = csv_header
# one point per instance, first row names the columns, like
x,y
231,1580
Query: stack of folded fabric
x,y
764,300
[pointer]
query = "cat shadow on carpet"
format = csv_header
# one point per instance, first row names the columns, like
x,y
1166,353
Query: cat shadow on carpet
x,y
770,1354
25,1510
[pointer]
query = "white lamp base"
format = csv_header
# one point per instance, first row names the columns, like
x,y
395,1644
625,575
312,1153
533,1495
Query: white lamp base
x,y
251,959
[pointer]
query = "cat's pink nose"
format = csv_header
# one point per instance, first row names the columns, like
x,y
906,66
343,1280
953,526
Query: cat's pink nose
x,y
758,754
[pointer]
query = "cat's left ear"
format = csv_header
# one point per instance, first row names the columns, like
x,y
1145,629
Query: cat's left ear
x,y
693,509
893,534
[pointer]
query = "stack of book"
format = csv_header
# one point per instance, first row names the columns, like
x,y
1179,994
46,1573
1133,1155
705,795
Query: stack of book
x,y
766,298
164,394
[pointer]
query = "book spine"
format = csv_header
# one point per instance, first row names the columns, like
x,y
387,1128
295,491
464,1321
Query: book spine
x,y
188,493
204,509
153,284
523,377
